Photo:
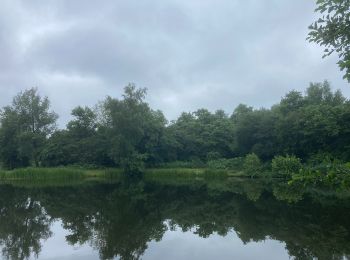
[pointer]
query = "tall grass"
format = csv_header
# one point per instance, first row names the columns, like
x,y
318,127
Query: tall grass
x,y
71,173
186,172
56,173
41,173
174,171
194,164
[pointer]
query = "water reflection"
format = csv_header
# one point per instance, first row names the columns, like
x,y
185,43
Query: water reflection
x,y
121,219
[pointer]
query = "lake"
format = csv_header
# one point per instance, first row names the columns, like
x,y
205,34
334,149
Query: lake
x,y
172,218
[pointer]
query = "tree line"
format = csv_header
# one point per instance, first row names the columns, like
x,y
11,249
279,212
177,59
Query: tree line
x,y
128,133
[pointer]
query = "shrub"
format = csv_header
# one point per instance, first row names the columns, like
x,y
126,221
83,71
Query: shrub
x,y
213,156
334,175
322,158
347,165
182,164
226,164
285,165
133,163
252,164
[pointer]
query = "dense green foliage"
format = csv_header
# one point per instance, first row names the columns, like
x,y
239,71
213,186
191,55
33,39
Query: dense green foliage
x,y
252,164
286,165
127,133
227,164
332,31
25,127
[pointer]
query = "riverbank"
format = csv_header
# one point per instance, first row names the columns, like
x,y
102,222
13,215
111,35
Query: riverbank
x,y
332,176
55,173
32,173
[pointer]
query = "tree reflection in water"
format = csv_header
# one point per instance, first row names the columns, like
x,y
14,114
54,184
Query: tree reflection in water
x,y
23,222
119,219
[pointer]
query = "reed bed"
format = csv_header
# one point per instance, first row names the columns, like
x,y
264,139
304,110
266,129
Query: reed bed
x,y
41,173
71,173
57,173
183,172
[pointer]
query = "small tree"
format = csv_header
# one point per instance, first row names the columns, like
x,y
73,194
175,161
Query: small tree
x,y
252,164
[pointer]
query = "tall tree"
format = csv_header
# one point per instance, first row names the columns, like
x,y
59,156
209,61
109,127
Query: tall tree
x,y
26,124
133,127
84,123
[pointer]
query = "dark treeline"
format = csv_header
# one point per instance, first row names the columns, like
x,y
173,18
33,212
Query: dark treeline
x,y
127,133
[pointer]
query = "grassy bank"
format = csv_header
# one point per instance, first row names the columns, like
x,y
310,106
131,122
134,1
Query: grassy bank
x,y
333,175
56,173
80,173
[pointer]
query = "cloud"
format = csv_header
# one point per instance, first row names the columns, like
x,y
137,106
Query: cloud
x,y
189,54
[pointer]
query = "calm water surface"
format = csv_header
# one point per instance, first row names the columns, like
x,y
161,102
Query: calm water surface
x,y
173,218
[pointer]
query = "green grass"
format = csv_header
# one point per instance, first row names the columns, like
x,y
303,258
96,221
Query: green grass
x,y
56,173
175,171
203,172
71,173
57,182
40,173
77,173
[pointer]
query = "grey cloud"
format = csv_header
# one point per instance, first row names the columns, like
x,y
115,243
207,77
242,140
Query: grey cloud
x,y
189,54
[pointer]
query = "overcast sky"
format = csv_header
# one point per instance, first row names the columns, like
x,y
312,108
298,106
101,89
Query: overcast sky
x,y
189,54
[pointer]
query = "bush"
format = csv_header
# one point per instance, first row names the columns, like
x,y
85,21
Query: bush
x,y
133,163
252,164
182,164
285,165
211,156
334,175
226,164
347,165
322,158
